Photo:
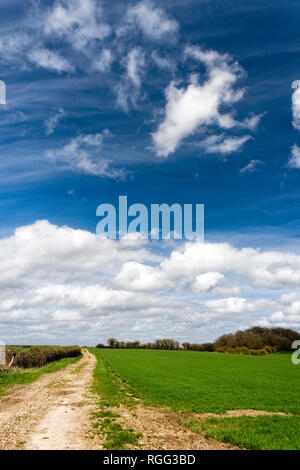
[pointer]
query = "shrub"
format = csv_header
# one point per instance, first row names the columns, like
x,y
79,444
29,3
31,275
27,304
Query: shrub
x,y
38,356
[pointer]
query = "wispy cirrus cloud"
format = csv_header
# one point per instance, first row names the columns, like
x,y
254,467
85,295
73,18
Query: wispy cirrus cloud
x,y
294,161
83,154
220,144
50,60
296,104
77,21
128,90
151,20
102,63
252,166
52,122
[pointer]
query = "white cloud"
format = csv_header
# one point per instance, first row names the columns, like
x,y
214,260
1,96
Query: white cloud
x,y
251,166
199,104
12,46
52,122
252,121
223,145
206,281
162,62
50,60
265,270
83,154
77,21
135,64
129,89
151,20
69,285
141,277
296,104
103,62
294,161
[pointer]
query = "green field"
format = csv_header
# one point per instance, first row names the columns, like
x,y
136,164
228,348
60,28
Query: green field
x,y
208,382
261,432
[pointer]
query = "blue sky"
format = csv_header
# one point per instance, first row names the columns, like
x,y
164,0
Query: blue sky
x,y
174,101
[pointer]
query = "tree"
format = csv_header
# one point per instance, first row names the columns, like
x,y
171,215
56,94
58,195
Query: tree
x,y
112,343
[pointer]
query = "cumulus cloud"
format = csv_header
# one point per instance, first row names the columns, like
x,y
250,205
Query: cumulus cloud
x,y
50,60
151,20
66,284
270,269
204,282
83,154
199,104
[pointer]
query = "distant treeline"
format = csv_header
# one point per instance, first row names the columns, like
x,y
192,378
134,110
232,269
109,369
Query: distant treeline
x,y
38,356
256,341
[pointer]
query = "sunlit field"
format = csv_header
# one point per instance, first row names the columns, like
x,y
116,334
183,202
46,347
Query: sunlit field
x,y
209,382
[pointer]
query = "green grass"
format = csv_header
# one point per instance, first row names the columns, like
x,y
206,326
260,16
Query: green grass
x,y
26,376
201,382
107,385
261,432
112,393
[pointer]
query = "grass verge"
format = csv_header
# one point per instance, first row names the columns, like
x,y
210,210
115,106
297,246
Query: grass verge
x,y
254,433
26,376
112,392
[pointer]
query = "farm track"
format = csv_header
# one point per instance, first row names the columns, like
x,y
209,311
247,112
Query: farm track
x,y
54,413
51,413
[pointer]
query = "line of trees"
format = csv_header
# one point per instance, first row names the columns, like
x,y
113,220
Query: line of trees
x,y
255,341
165,343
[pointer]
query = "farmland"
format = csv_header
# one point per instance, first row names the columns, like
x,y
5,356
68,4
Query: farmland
x,y
196,383
209,382
149,399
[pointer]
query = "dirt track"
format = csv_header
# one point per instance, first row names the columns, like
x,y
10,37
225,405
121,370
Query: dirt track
x,y
54,413
51,413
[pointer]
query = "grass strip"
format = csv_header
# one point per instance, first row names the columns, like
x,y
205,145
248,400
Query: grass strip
x,y
254,433
26,376
112,392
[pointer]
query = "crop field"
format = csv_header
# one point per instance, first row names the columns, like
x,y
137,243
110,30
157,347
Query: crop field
x,y
209,382
148,399
199,382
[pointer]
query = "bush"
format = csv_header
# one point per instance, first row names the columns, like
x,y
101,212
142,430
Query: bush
x,y
38,356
